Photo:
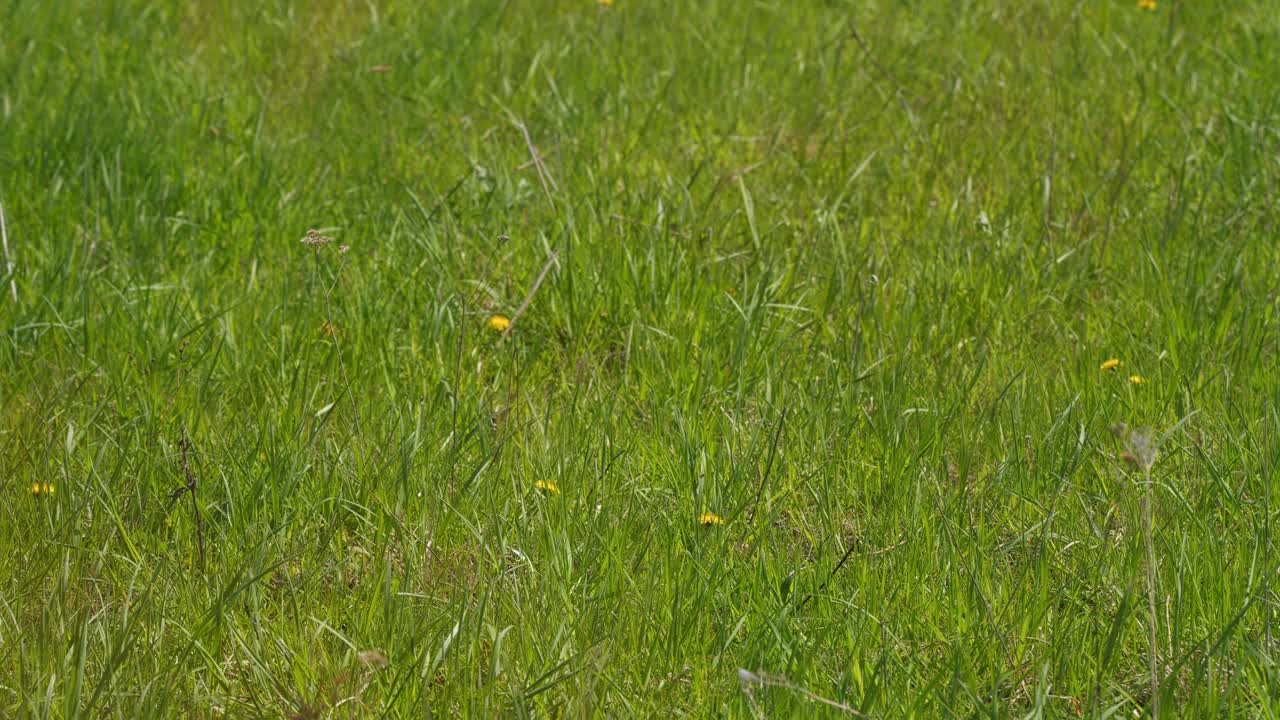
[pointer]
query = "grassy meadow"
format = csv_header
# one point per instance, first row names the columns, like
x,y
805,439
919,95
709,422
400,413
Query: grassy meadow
x,y
728,358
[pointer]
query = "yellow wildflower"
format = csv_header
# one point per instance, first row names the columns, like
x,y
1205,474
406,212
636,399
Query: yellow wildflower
x,y
604,3
547,486
41,488
499,323
710,518
1137,379
1147,4
1111,364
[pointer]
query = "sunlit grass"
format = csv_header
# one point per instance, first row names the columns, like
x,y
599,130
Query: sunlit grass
x,y
638,359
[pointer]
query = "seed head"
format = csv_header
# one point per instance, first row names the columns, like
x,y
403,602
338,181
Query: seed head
x,y
315,239
1142,448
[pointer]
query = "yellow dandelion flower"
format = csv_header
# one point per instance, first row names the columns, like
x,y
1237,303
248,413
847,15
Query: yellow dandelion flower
x,y
35,488
499,323
41,489
547,486
710,518
1147,4
1137,379
1111,364
48,488
604,3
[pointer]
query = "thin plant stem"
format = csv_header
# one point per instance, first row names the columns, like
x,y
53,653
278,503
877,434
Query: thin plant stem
x,y
8,260
553,260
1153,638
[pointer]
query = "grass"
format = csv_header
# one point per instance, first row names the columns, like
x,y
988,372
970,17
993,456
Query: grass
x,y
840,274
